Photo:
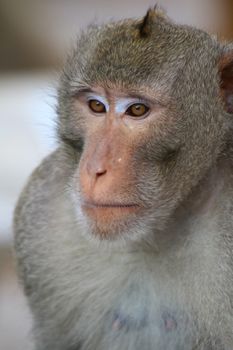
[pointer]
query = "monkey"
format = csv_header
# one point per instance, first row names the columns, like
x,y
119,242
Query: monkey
x,y
124,234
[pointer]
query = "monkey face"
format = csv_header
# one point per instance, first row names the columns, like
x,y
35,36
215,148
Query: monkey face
x,y
145,136
109,181
122,180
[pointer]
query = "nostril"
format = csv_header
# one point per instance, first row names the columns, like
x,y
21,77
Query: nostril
x,y
95,170
101,171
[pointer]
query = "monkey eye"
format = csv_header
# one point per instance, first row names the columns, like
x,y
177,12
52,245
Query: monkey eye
x,y
97,106
137,110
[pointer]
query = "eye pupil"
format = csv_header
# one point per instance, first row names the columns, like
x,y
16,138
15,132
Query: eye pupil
x,y
97,106
137,110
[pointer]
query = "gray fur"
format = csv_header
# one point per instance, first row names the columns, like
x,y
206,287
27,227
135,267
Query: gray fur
x,y
167,283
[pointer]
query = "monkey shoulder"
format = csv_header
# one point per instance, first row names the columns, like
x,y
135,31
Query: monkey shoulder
x,y
44,181
37,211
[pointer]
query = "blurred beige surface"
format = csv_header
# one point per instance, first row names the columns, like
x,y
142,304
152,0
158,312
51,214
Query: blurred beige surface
x,y
15,319
27,113
44,29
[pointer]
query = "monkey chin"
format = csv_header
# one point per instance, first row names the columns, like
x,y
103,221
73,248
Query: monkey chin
x,y
109,222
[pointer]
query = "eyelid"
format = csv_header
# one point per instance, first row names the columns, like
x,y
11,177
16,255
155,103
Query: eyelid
x,y
123,104
92,96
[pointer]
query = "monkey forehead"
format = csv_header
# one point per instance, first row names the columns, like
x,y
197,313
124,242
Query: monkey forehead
x,y
117,53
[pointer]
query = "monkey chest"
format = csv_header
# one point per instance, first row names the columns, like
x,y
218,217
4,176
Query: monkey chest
x,y
137,321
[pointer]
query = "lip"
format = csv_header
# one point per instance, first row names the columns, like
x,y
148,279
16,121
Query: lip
x,y
109,205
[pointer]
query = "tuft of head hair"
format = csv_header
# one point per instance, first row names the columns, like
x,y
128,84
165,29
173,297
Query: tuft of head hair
x,y
146,25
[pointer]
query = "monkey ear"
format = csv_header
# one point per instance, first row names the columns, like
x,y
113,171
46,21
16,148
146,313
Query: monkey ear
x,y
147,22
226,82
146,25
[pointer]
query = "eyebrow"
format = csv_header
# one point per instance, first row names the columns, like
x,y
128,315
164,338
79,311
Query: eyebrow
x,y
77,90
134,94
147,98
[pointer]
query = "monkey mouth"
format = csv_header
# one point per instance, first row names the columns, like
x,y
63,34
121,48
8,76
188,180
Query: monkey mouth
x,y
109,219
108,210
90,204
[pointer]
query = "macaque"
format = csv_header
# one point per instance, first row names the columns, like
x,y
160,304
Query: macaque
x,y
124,234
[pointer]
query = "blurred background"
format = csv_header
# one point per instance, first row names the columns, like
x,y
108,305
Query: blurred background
x,y
34,38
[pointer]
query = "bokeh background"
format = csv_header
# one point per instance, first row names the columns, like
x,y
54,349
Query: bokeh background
x,y
35,36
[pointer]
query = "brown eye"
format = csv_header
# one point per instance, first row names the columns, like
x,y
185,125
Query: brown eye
x,y
97,106
137,110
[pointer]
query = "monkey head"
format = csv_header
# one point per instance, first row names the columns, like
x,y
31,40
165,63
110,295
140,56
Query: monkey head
x,y
144,113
